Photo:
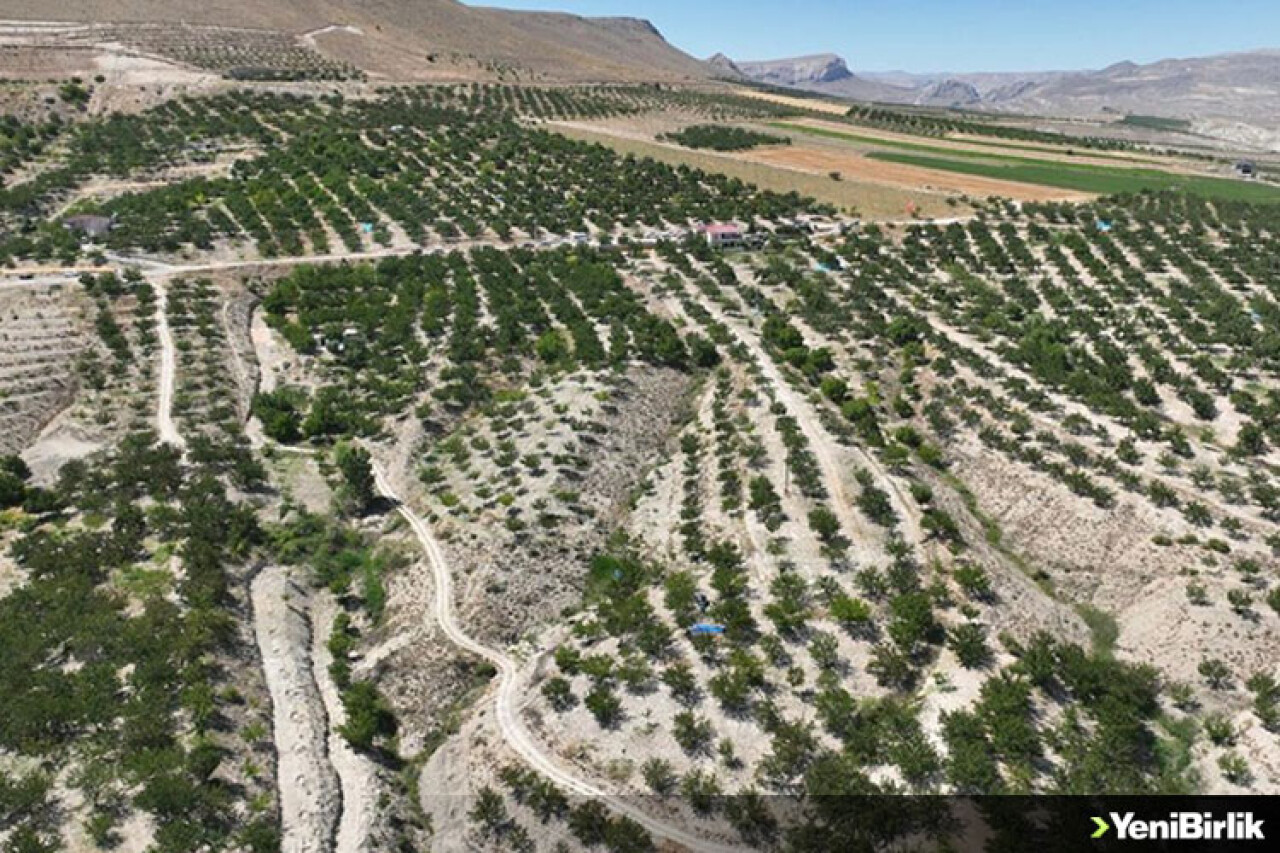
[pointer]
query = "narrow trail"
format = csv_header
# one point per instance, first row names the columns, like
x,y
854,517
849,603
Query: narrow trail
x,y
509,696
168,371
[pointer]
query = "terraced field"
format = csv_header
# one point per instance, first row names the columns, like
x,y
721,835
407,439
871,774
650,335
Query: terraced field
x,y
39,347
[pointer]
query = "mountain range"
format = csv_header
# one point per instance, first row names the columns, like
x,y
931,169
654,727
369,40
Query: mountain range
x,y
1234,95
1238,86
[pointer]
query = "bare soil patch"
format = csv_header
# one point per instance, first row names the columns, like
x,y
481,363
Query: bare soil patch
x,y
870,199
816,104
856,167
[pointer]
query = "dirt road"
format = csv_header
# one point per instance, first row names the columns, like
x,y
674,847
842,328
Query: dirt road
x,y
509,692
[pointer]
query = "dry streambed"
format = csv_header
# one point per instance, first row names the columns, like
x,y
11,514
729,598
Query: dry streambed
x,y
310,796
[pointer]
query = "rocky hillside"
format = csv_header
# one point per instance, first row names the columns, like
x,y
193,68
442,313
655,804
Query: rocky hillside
x,y
823,72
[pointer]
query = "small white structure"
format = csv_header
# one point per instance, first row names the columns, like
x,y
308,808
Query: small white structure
x,y
722,235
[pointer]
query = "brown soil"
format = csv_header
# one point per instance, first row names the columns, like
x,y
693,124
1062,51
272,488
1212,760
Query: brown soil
x,y
870,199
857,167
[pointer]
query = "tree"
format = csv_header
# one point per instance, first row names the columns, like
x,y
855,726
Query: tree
x,y
368,717
604,705
852,613
624,835
559,693
1235,769
659,776
789,608
16,466
891,667
876,505
1215,673
912,621
693,733
682,683
750,816
12,490
975,582
1241,602
969,643
824,649
357,492
490,811
824,523
971,765
702,790
1251,440
281,414
1219,730
589,822
552,347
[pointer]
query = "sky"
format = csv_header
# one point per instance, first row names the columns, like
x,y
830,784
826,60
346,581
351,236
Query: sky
x,y
950,35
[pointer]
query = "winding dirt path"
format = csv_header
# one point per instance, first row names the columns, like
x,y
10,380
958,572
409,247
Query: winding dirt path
x,y
509,691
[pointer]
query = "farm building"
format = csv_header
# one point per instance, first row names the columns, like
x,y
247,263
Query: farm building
x,y
1246,169
88,225
723,235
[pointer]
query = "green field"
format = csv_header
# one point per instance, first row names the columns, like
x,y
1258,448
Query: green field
x,y
904,145
1083,177
1103,180
1178,125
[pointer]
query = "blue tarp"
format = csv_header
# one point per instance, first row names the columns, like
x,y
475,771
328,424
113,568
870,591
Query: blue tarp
x,y
706,628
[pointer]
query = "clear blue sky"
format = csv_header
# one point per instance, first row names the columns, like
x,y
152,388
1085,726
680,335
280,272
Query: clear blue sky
x,y
950,35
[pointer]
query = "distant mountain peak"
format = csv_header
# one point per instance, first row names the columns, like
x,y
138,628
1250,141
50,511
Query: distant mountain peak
x,y
724,64
950,93
1125,67
799,70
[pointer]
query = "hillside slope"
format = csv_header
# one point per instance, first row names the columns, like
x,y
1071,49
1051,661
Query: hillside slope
x,y
415,39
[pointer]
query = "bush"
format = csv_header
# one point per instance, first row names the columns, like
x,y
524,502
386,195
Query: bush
x,y
659,776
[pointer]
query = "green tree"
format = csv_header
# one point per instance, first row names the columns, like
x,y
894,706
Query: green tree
x,y
659,776
559,693
824,523
357,492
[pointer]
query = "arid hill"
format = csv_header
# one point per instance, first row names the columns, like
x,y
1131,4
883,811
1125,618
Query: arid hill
x,y
421,39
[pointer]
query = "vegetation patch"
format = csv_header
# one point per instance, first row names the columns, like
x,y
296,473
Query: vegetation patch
x,y
720,137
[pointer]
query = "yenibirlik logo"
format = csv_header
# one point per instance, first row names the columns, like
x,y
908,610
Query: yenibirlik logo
x,y
1182,826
